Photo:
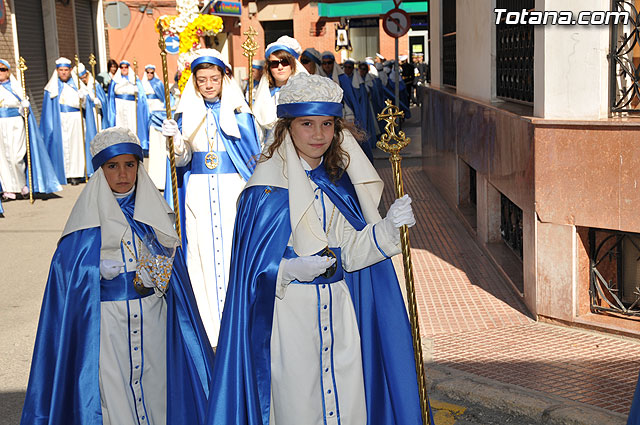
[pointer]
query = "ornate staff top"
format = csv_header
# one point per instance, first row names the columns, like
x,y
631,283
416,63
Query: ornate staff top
x,y
386,143
92,60
250,46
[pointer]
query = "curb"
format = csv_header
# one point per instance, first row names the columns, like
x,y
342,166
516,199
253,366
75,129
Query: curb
x,y
543,408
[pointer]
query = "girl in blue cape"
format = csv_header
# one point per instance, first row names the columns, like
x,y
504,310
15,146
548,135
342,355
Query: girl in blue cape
x,y
216,146
119,339
315,329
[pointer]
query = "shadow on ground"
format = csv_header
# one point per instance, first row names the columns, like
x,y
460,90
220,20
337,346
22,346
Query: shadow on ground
x,y
11,407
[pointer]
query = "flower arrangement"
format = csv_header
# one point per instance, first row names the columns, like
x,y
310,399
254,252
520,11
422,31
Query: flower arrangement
x,y
190,26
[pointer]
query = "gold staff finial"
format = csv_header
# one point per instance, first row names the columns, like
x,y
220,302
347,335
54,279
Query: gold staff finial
x,y
249,50
392,143
22,67
92,62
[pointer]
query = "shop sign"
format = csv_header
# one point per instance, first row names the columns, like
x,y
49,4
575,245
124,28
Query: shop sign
x,y
227,8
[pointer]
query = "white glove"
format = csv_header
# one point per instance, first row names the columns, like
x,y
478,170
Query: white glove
x,y
82,93
305,269
170,128
400,212
97,102
25,103
110,268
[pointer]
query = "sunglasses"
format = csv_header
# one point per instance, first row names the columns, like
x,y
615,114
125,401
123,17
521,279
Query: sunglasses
x,y
275,64
327,62
304,61
124,66
4,69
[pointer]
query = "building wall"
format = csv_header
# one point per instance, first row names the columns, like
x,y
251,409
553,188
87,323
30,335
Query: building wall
x,y
475,48
66,25
7,50
139,41
571,67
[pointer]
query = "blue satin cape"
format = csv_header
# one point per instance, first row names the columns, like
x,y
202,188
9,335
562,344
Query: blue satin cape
x,y
102,96
244,153
142,113
243,365
634,413
51,130
390,93
64,380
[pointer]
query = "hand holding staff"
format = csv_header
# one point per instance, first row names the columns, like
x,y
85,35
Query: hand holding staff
x,y
172,152
23,67
250,46
390,113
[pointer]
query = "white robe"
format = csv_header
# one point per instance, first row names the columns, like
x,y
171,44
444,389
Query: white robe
x,y
126,114
132,374
321,380
72,143
13,145
210,207
157,142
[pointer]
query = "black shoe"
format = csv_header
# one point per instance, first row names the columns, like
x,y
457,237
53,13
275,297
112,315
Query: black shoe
x,y
75,182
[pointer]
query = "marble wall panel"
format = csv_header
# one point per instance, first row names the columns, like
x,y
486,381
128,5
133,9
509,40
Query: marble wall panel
x,y
510,159
630,180
554,283
577,176
475,133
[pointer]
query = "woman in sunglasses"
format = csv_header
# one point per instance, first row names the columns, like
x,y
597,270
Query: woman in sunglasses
x,y
281,63
315,330
311,60
216,145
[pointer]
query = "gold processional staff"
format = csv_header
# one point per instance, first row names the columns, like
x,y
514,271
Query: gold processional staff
x,y
23,67
135,93
84,142
392,143
167,103
92,62
249,50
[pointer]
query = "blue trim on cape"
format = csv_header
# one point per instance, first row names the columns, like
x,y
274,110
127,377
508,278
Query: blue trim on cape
x,y
243,152
634,413
64,381
242,370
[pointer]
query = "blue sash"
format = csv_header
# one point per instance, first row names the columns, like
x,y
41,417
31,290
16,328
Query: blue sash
x,y
67,108
9,112
225,165
152,96
120,288
126,96
337,277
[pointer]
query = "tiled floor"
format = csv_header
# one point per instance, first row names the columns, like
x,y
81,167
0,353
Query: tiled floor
x,y
478,324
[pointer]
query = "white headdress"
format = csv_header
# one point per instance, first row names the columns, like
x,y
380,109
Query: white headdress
x,y
192,104
97,206
284,168
264,107
52,85
335,73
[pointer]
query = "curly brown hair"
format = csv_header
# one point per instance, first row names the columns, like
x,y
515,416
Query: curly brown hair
x,y
335,159
206,65
280,54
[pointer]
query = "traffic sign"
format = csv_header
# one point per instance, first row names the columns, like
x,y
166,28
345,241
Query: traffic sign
x,y
396,23
173,44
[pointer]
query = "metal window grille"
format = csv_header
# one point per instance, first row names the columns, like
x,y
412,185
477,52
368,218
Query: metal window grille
x,y
624,60
449,43
614,285
511,225
514,55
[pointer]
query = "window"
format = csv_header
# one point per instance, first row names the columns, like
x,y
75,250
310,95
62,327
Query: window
x,y
514,55
275,29
364,34
449,43
615,272
625,60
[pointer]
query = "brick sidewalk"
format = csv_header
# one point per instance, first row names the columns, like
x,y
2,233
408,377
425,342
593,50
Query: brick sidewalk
x,y
478,325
